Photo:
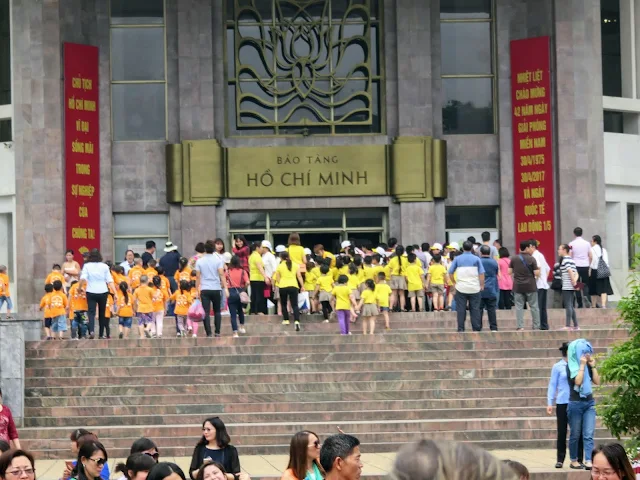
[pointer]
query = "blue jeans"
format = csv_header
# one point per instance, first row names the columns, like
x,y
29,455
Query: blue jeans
x,y
235,308
582,421
4,299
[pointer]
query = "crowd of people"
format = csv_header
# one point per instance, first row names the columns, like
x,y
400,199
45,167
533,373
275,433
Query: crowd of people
x,y
362,281
338,457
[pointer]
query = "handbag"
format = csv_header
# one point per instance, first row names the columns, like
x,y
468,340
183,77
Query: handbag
x,y
603,269
244,296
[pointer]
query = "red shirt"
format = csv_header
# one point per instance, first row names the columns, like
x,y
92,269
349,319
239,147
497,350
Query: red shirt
x,y
243,254
8,430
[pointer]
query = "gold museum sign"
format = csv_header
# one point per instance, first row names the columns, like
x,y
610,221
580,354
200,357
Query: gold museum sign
x,y
201,172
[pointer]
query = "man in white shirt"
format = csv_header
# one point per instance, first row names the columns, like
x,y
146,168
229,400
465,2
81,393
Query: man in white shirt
x,y
542,282
581,255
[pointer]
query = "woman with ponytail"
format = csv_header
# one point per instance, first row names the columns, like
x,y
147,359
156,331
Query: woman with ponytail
x,y
289,280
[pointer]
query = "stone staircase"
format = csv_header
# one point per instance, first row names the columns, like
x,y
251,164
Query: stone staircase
x,y
421,379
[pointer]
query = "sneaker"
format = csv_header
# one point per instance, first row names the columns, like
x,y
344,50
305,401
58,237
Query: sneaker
x,y
179,334
74,339
326,321
121,336
91,336
194,336
242,330
565,328
235,335
147,334
297,326
217,335
285,322
575,329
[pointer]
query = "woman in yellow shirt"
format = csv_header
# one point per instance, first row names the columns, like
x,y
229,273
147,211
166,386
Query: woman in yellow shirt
x,y
289,279
258,280
368,307
296,252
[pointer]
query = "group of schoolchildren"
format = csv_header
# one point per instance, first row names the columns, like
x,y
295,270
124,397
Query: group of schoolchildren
x,y
143,294
363,283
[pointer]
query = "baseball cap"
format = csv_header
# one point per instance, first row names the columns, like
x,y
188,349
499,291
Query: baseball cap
x,y
436,246
454,246
281,248
345,244
267,243
380,251
226,256
307,251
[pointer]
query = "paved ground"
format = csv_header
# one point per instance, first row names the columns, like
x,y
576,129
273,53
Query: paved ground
x,y
274,465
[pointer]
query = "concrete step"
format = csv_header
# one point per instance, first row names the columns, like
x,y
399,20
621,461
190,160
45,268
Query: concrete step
x,y
209,409
286,358
108,375
304,343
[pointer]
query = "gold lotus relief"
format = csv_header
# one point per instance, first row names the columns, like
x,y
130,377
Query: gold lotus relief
x,y
303,66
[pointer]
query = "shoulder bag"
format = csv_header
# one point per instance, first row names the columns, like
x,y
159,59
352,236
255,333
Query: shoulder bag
x,y
603,269
244,296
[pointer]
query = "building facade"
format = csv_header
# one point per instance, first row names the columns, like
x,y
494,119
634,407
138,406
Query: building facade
x,y
198,96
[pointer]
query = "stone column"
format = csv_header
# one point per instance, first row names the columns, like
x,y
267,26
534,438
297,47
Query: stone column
x,y
12,359
580,162
415,102
38,143
195,80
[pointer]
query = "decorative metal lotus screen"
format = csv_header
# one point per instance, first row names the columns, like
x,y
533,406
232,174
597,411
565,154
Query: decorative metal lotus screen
x,y
303,66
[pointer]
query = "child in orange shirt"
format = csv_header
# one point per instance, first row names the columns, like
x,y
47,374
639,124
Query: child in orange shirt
x,y
117,272
135,273
108,312
160,297
183,272
58,305
151,271
56,274
143,297
183,300
124,304
44,306
79,317
5,296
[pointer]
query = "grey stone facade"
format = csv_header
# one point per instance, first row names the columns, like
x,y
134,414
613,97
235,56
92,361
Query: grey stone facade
x,y
480,168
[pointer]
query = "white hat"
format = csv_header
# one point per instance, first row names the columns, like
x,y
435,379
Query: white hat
x,y
345,244
454,246
307,251
267,244
170,247
436,246
281,248
226,256
380,251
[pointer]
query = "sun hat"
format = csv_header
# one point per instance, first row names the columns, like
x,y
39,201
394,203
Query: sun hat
x,y
267,244
436,246
170,247
281,248
345,244
226,256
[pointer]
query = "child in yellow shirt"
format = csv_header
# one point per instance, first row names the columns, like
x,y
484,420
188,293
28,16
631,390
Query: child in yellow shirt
x,y
5,295
124,306
46,308
58,305
436,280
183,300
79,305
344,304
143,306
383,294
56,274
324,287
310,278
415,281
368,307
160,297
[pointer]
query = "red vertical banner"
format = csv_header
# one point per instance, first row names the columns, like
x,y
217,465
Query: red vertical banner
x,y
82,148
534,202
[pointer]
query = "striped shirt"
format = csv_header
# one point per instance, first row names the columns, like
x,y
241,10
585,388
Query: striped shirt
x,y
566,266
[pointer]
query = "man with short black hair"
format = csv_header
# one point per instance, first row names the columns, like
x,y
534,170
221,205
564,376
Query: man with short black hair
x,y
340,457
525,272
486,238
582,257
469,282
149,253
490,293
542,282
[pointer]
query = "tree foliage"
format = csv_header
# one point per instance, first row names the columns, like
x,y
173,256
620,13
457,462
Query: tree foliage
x,y
620,370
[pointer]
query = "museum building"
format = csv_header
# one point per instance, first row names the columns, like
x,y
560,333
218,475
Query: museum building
x,y
128,120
